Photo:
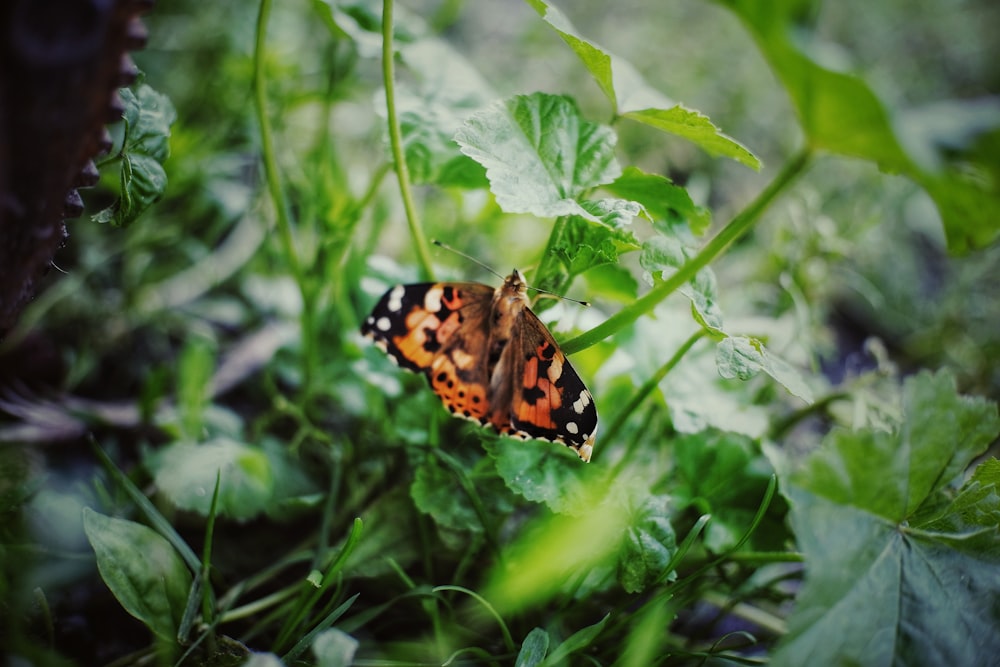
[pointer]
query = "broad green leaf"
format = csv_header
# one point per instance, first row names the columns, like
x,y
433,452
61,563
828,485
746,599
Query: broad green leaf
x,y
975,509
633,98
334,648
435,492
533,649
840,113
662,200
892,474
724,475
540,154
148,116
648,546
186,472
142,570
743,357
543,472
886,583
968,199
577,641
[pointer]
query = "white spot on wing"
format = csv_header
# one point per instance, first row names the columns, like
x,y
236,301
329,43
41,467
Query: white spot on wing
x,y
383,324
581,403
396,299
432,302
571,427
555,369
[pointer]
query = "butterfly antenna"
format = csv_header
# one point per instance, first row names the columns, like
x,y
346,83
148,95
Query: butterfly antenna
x,y
533,289
468,257
558,296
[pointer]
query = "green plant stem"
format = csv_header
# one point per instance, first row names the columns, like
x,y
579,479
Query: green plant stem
x,y
396,142
282,215
726,236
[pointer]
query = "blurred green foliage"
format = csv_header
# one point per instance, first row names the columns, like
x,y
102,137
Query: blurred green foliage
x,y
213,336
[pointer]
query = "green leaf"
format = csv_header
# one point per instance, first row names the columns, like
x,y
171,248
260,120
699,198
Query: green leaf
x,y
580,246
142,570
968,199
148,116
543,472
615,213
840,113
697,128
743,357
648,546
662,256
633,98
612,281
888,582
186,473
334,648
533,649
436,493
976,506
724,475
577,641
540,154
662,200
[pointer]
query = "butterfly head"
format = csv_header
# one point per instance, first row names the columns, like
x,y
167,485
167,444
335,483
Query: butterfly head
x,y
514,288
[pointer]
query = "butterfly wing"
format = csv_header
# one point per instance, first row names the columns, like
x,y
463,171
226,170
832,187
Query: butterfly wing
x,y
442,331
548,400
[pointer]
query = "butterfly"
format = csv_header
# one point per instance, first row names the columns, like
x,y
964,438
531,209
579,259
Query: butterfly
x,y
488,358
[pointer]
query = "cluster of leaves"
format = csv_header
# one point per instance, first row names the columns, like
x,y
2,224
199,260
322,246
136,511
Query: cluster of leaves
x,y
341,516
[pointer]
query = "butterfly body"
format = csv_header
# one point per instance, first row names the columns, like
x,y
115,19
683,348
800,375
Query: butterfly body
x,y
488,358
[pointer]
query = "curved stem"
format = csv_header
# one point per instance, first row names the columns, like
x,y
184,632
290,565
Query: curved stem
x,y
396,142
282,215
726,236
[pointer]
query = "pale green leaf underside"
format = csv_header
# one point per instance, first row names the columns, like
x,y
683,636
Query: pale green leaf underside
x,y
744,357
541,155
186,473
